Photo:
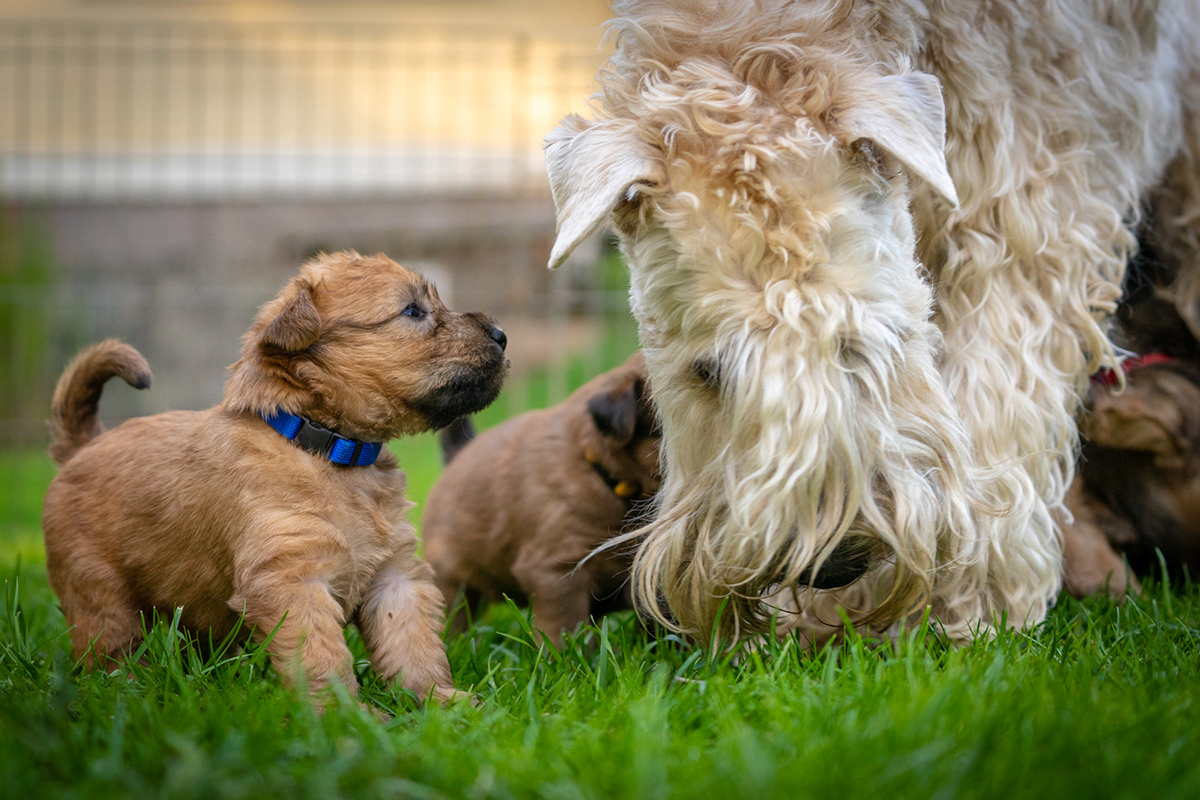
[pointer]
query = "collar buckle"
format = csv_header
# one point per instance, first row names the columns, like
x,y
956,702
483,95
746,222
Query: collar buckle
x,y
315,438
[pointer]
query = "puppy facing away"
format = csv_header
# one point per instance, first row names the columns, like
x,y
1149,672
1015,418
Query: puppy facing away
x,y
281,502
519,508
1140,471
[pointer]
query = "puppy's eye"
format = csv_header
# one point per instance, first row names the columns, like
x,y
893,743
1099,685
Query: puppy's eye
x,y
708,370
412,310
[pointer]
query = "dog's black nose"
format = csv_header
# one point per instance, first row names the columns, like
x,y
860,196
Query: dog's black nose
x,y
498,337
845,565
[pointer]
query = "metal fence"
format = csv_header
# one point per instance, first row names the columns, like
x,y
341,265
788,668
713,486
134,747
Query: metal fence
x,y
185,109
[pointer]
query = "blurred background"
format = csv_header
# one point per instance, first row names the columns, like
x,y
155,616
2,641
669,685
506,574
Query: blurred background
x,y
166,165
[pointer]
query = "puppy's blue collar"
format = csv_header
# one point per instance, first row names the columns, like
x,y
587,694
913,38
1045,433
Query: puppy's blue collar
x,y
322,441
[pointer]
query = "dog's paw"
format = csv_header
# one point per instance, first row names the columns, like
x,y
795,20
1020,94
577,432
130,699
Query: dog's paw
x,y
448,698
376,712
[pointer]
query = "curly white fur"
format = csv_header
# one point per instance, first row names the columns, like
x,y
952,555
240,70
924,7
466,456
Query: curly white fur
x,y
868,314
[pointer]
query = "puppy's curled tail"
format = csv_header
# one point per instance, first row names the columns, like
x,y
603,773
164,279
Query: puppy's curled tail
x,y
455,437
75,420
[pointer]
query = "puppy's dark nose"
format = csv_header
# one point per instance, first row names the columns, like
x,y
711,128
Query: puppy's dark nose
x,y
498,337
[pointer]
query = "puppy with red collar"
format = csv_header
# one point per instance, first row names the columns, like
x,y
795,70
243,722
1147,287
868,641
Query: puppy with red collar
x,y
1139,475
519,508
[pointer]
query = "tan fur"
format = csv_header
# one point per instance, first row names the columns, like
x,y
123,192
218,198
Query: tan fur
x,y
1140,473
1090,563
217,513
896,228
521,506
75,420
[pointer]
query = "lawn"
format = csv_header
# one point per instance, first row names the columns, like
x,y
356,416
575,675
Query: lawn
x,y
1100,701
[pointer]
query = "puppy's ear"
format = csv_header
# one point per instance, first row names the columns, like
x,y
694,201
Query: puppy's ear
x,y
592,166
905,116
297,324
615,411
647,414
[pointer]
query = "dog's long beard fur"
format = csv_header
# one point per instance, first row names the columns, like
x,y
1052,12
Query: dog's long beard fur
x,y
832,425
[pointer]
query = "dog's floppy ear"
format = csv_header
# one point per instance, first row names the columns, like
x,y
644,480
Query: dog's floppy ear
x,y
297,324
905,116
591,166
615,411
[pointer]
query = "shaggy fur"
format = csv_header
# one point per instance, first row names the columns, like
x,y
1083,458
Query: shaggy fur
x,y
873,245
519,508
218,514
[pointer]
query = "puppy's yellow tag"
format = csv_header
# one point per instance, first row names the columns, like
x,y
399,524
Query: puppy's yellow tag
x,y
624,489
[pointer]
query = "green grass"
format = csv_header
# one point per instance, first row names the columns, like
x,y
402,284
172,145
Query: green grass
x,y
24,476
1100,701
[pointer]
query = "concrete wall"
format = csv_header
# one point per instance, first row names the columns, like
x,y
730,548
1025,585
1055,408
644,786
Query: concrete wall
x,y
493,248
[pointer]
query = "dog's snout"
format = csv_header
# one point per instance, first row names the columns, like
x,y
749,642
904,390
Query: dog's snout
x,y
498,337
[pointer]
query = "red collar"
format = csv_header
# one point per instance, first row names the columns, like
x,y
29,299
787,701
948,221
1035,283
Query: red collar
x,y
1108,377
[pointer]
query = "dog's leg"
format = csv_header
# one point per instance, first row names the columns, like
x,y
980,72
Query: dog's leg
x,y
1018,377
1021,295
104,623
560,592
1090,565
462,603
401,623
290,597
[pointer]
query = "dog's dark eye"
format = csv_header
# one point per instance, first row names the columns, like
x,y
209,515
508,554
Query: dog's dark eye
x,y
708,370
628,213
413,310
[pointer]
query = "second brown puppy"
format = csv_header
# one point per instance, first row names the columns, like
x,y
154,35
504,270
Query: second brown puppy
x,y
520,507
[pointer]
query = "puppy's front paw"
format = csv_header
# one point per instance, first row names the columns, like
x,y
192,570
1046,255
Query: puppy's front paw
x,y
378,713
448,697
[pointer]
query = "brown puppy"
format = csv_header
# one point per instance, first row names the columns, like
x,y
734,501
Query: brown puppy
x,y
520,507
1140,470
1120,474
220,514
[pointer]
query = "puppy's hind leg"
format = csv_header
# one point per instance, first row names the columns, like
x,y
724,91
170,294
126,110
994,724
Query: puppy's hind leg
x,y
1090,565
103,619
560,592
401,624
463,604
